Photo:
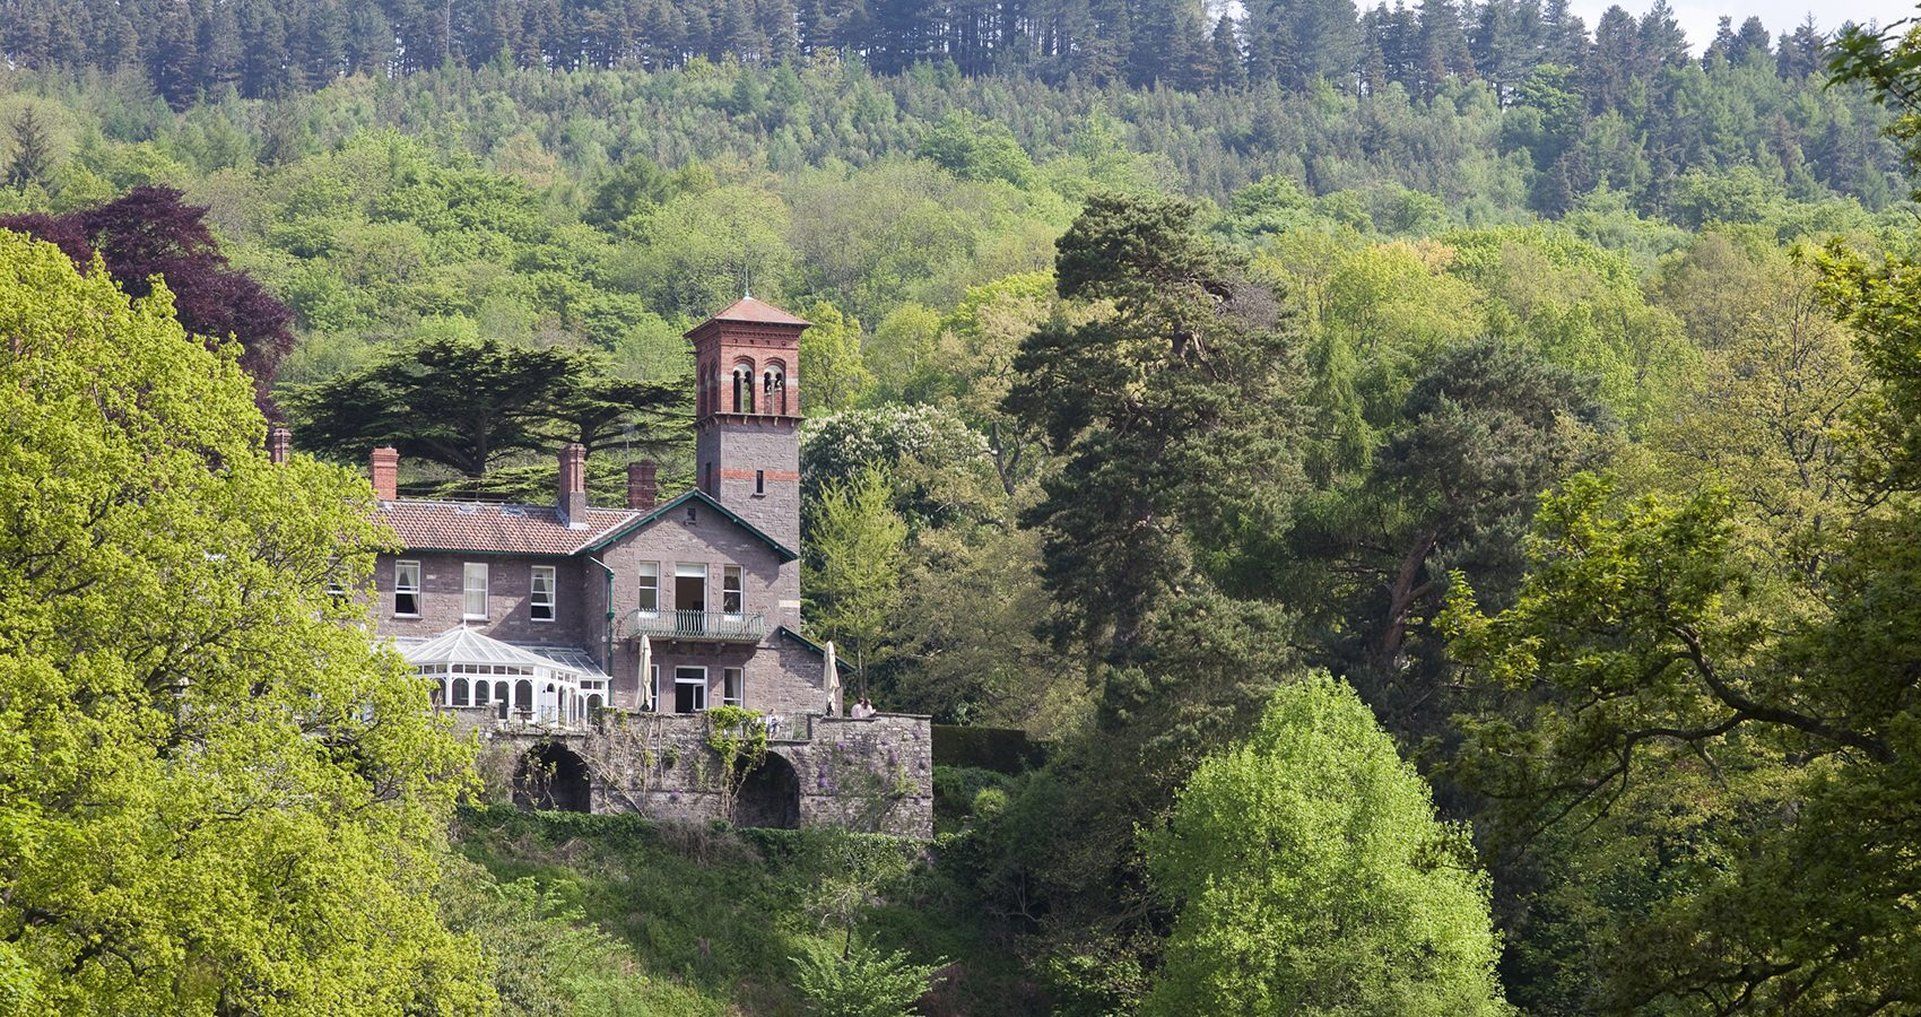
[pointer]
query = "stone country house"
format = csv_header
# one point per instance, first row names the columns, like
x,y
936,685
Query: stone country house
x,y
593,639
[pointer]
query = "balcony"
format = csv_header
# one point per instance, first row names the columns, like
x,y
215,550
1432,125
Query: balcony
x,y
695,626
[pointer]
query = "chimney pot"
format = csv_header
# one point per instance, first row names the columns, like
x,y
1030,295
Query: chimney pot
x,y
279,443
642,489
572,501
384,467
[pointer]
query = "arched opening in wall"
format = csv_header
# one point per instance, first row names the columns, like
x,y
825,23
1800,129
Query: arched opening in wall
x,y
552,777
773,383
524,698
769,796
744,387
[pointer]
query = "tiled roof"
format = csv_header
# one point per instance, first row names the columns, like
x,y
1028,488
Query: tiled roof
x,y
840,666
502,529
758,312
636,520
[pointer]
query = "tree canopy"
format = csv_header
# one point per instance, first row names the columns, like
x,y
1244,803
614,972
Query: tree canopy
x,y
468,404
152,232
1312,876
264,790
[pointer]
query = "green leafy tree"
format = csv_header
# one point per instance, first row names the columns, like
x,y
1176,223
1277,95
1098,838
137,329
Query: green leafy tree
x,y
831,366
219,796
700,250
1649,644
856,542
639,184
1312,876
974,148
898,353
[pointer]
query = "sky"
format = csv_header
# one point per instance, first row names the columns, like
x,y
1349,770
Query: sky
x,y
1698,18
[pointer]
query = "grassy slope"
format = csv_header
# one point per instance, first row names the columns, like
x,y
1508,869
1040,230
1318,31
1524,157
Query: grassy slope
x,y
707,919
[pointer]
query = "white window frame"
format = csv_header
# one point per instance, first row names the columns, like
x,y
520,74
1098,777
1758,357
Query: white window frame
x,y
733,581
651,696
468,570
733,686
702,685
552,603
685,570
410,590
649,582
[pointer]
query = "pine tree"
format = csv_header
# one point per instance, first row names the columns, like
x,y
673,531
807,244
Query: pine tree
x,y
1564,38
1444,51
1229,67
1328,34
264,60
369,45
1610,70
31,159
1723,45
1661,42
172,62
221,48
1753,38
1800,53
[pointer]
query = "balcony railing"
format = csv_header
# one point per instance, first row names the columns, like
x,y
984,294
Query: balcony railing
x,y
707,626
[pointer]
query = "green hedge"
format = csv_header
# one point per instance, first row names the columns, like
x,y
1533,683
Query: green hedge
x,y
1002,749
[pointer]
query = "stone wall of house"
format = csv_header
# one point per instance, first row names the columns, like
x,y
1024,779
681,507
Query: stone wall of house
x,y
509,598
871,775
756,470
695,533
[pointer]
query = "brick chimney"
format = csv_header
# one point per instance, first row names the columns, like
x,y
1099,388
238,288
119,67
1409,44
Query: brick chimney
x,y
572,501
279,443
641,488
384,467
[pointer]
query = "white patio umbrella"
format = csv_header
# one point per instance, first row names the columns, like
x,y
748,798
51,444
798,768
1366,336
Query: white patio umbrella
x,y
647,690
833,682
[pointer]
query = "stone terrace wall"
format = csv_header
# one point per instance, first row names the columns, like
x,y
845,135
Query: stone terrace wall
x,y
875,774
871,775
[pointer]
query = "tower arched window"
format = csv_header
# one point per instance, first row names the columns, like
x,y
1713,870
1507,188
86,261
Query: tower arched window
x,y
744,388
773,382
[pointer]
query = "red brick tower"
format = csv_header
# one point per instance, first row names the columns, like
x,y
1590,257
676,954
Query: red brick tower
x,y
747,414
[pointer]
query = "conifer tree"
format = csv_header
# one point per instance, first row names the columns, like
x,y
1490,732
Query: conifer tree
x,y
31,158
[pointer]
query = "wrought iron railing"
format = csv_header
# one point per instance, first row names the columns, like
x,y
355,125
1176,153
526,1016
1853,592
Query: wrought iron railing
x,y
697,625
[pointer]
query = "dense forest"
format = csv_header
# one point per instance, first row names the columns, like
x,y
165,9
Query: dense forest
x,y
1439,481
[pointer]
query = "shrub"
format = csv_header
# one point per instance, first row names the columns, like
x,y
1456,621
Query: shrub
x,y
859,981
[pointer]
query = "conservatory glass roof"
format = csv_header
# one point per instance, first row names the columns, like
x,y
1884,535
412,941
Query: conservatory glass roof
x,y
465,649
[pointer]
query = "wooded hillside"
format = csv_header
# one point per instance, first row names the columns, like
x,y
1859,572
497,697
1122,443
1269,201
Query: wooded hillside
x,y
1479,448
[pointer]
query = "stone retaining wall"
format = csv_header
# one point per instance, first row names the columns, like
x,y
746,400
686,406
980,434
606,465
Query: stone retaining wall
x,y
871,775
